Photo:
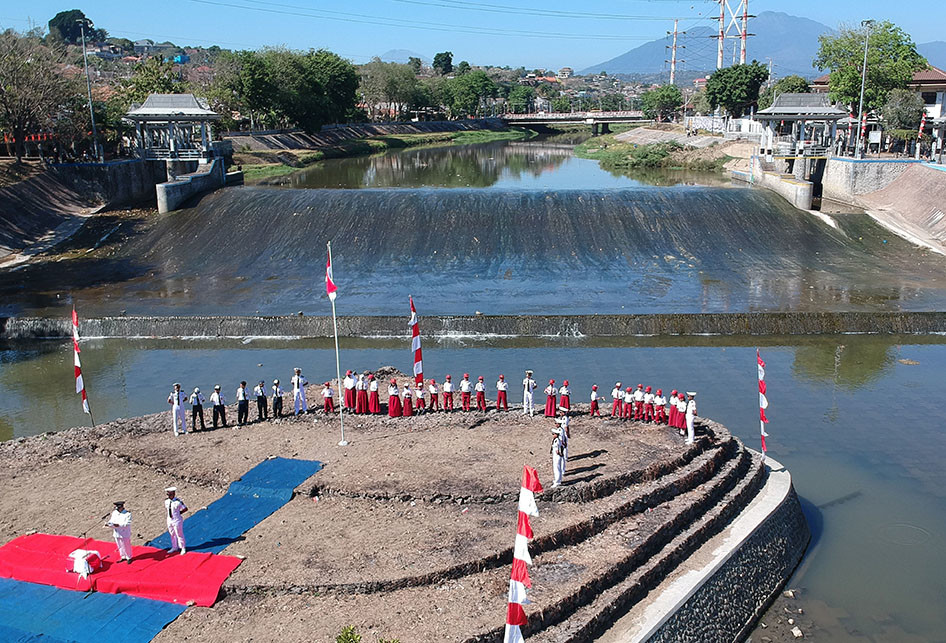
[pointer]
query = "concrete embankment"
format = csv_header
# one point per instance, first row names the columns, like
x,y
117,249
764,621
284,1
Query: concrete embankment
x,y
777,323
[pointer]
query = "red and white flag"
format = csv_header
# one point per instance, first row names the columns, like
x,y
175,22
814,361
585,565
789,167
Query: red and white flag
x,y
415,346
330,289
763,401
80,385
519,580
919,134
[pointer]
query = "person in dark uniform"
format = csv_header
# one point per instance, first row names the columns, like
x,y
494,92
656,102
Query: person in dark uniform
x,y
243,404
262,412
197,410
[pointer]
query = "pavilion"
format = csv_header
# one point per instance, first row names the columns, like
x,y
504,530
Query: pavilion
x,y
172,127
799,125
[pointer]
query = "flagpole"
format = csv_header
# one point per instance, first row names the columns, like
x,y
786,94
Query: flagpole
x,y
338,364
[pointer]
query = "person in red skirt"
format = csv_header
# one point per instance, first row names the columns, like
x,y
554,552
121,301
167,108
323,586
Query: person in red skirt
x,y
501,388
480,394
565,397
617,401
420,405
594,401
648,405
374,398
361,395
551,395
328,398
681,413
447,394
434,395
348,386
407,405
394,400
672,409
466,390
660,407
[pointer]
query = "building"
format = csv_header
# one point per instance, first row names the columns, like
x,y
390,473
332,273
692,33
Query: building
x,y
930,84
799,125
566,72
172,127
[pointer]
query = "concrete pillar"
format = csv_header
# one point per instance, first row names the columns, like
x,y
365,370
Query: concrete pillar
x,y
204,143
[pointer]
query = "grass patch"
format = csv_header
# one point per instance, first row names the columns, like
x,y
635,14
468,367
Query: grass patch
x,y
613,154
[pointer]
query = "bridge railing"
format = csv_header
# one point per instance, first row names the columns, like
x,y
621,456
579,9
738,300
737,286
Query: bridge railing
x,y
571,116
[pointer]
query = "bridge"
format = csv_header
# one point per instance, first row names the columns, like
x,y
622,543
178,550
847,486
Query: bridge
x,y
599,120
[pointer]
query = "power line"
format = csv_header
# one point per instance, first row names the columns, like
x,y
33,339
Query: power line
x,y
545,13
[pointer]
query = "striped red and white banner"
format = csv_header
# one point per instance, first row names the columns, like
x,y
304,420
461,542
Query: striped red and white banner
x,y
415,345
519,580
919,134
763,400
80,385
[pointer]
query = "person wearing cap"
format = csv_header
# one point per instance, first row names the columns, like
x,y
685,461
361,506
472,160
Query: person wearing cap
x,y
299,383
628,404
639,402
501,387
648,405
466,387
420,404
407,401
174,508
594,401
672,409
551,399
660,407
690,414
528,390
348,402
558,451
434,389
176,399
563,422
262,410
374,396
480,388
361,395
617,401
277,399
448,394
394,400
681,413
219,404
565,396
197,409
243,405
328,398
120,524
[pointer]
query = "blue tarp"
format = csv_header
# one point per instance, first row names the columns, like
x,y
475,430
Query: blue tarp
x,y
260,492
31,612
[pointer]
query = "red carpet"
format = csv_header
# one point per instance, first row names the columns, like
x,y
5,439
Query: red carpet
x,y
154,574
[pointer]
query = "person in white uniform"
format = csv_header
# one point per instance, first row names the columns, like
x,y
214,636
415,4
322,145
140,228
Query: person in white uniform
x,y
174,508
558,457
277,399
528,388
690,414
563,421
120,524
177,399
262,406
299,383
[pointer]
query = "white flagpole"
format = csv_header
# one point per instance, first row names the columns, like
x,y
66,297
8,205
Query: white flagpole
x,y
338,364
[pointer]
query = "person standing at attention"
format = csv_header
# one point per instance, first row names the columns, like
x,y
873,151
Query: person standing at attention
x,y
299,383
374,396
660,407
174,508
219,404
690,415
447,394
594,401
565,399
434,391
361,395
648,405
558,457
420,404
349,385
501,388
328,398
528,391
262,412
480,395
277,399
466,387
178,418
551,399
394,400
617,404
120,524
197,409
243,405
639,402
407,402
628,404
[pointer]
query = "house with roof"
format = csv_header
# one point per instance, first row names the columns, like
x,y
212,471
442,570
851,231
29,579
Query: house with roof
x,y
930,84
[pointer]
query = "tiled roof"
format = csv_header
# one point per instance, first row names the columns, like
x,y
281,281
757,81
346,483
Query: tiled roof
x,y
933,74
802,104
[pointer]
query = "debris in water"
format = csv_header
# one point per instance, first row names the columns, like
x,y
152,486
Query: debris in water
x,y
908,362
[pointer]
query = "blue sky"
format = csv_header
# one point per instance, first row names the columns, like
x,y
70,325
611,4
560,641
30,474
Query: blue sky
x,y
551,33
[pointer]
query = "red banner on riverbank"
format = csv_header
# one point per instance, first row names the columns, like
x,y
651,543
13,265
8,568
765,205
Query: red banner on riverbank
x,y
415,346
80,384
519,580
763,400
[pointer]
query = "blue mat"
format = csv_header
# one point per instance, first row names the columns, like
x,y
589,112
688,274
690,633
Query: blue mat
x,y
261,491
31,612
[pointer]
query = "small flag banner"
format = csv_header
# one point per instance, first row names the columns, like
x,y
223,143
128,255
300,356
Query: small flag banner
x,y
330,288
415,346
919,134
80,385
864,124
850,123
519,580
763,401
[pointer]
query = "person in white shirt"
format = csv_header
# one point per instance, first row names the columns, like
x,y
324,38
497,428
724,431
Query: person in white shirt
x,y
394,400
563,422
617,405
299,383
528,389
565,396
681,413
672,409
466,387
328,398
628,404
277,399
551,399
361,395
434,391
648,405
262,412
639,402
480,388
447,394
501,388
660,407
690,415
174,508
374,396
558,457
407,402
348,403
594,401
197,410
219,406
177,399
419,402
120,524
243,405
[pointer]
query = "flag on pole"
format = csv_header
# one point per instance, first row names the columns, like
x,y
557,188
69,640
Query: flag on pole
x,y
80,385
519,580
763,401
415,346
330,288
919,134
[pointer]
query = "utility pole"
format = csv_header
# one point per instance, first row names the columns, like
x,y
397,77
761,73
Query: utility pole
x,y
88,86
722,33
734,27
744,34
860,109
673,52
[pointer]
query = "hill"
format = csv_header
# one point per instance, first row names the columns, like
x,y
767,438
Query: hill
x,y
401,56
934,52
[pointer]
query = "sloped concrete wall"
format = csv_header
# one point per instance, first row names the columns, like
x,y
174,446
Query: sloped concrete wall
x,y
173,194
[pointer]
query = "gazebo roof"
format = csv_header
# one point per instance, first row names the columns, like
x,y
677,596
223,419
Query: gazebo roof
x,y
171,107
810,107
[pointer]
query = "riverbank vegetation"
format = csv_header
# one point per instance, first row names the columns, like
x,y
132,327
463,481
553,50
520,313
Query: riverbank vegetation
x,y
615,155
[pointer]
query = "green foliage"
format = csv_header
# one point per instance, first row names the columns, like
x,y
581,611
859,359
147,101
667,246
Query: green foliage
x,y
736,88
443,63
65,27
787,85
903,135
465,95
520,97
661,103
153,76
122,43
393,83
892,60
463,68
903,110
562,104
416,64
348,635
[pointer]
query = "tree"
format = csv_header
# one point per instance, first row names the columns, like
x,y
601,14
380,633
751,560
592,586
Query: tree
x,y
416,64
392,83
34,95
339,78
466,94
662,103
520,97
153,76
903,109
65,26
562,104
736,88
463,68
443,63
892,60
787,85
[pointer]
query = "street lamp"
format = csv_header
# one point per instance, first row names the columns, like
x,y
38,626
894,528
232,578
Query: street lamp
x,y
88,85
860,108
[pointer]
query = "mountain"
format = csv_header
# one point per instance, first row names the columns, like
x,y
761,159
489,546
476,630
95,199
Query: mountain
x,y
401,56
790,41
934,52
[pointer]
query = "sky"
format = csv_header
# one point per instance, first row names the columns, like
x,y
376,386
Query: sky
x,y
546,34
